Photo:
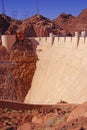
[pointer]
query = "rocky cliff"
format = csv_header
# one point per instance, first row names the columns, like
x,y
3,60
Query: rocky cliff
x,y
71,23
38,25
4,23
16,70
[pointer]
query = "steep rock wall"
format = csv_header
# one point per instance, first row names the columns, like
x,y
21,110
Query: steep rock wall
x,y
16,70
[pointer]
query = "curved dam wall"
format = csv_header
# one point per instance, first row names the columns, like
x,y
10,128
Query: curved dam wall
x,y
61,71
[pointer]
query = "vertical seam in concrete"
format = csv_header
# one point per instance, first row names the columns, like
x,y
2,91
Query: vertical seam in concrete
x,y
78,39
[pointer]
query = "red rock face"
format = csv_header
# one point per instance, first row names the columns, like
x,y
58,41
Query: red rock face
x,y
71,23
17,70
63,20
4,23
38,25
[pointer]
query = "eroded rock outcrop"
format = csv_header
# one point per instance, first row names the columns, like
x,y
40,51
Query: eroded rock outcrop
x,y
71,23
38,25
4,23
16,70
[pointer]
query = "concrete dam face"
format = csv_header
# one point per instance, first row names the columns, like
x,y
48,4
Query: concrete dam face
x,y
61,71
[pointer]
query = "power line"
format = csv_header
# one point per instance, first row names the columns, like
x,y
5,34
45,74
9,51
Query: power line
x,y
3,7
37,7
14,14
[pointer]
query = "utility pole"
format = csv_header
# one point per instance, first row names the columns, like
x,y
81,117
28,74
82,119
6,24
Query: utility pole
x,y
3,8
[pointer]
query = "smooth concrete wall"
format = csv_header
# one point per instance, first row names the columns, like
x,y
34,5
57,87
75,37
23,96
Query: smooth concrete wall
x,y
8,41
61,71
